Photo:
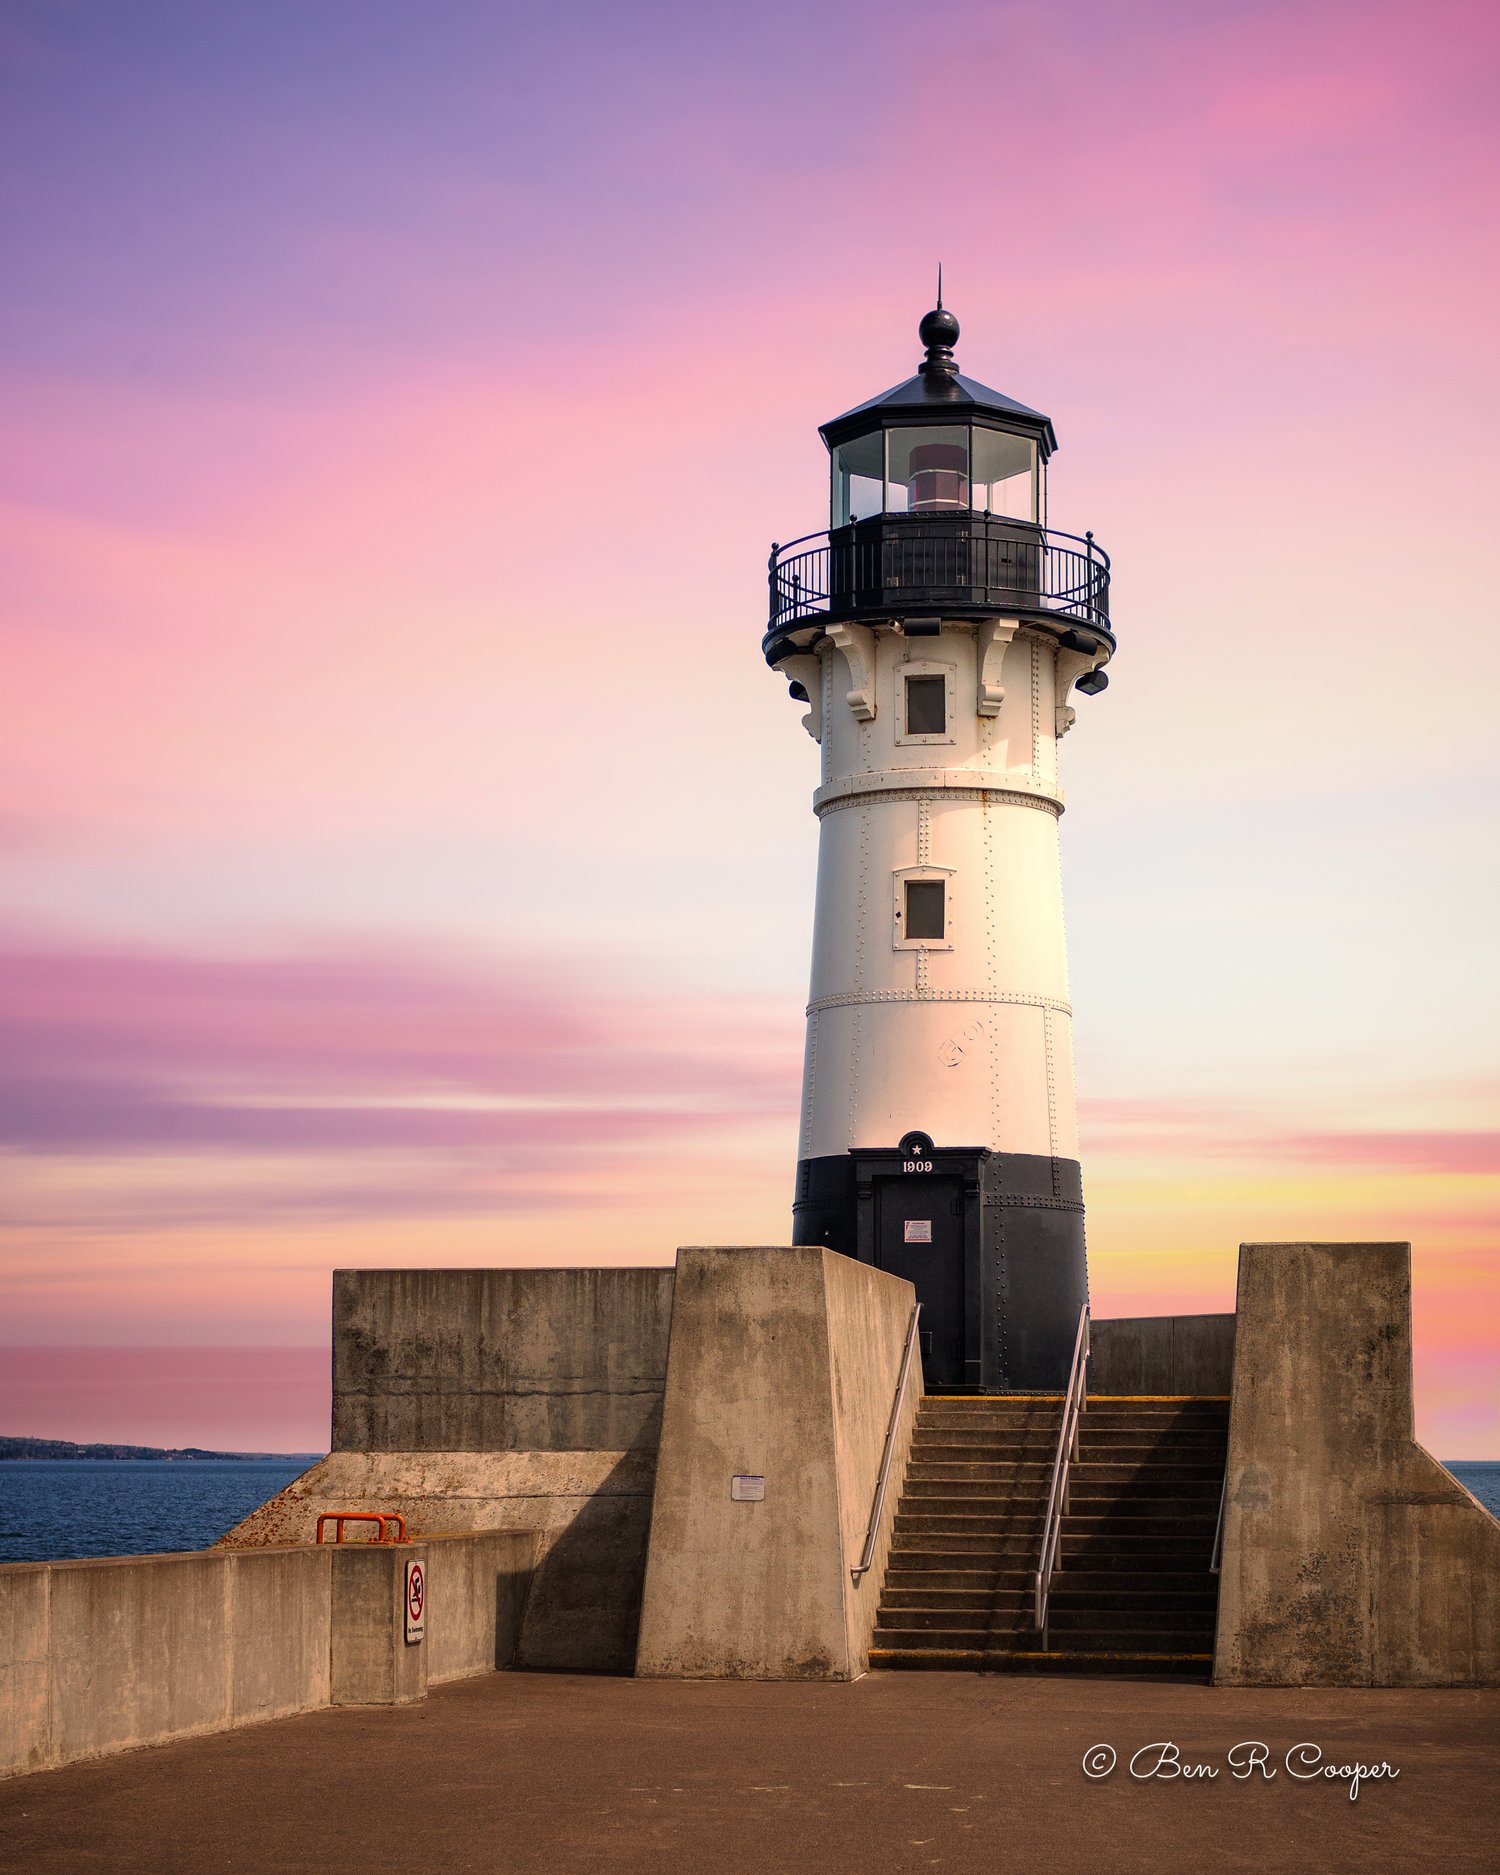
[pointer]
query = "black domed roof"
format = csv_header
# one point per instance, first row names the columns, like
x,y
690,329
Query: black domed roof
x,y
940,393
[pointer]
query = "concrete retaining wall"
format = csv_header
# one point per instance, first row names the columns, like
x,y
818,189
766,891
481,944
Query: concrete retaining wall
x,y
506,1400
101,1656
783,1367
1351,1557
1170,1354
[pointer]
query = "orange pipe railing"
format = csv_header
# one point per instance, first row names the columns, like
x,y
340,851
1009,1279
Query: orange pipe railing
x,y
338,1518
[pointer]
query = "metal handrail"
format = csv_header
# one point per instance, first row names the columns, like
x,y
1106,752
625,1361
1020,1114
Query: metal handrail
x,y
959,556
867,1555
1075,1402
1218,1551
338,1518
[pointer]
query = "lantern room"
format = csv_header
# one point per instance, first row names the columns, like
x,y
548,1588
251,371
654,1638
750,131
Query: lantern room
x,y
939,443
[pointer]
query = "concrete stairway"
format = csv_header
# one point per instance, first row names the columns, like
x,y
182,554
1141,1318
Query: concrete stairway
x,y
1135,1594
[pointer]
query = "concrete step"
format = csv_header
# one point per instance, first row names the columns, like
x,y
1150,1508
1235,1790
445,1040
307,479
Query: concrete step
x,y
991,1536
942,1443
1084,1471
1034,1472
1156,1480
1084,1509
921,1627
908,1546
1085,1512
1065,1619
1169,1588
1103,1592
930,1608
963,1578
1023,1471
931,1587
1157,1425
1175,1666
1168,1554
1190,1514
1153,1468
946,1445
1138,1555
1000,1615
903,1633
1137,1640
991,1426
1203,1438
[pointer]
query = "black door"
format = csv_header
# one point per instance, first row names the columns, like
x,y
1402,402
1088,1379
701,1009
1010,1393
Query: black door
x,y
919,1234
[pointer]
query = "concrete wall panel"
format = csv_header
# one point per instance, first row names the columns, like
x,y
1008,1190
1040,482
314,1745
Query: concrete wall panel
x,y
24,1727
476,1597
783,1366
138,1652
372,1664
1351,1557
740,1590
281,1614
499,1360
1165,1354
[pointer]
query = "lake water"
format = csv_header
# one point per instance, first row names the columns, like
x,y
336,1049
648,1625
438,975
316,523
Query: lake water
x,y
1480,1477
54,1509
51,1510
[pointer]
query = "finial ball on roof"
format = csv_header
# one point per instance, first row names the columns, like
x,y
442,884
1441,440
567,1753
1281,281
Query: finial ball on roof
x,y
938,327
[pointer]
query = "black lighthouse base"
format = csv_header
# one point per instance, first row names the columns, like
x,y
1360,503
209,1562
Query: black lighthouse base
x,y
992,1242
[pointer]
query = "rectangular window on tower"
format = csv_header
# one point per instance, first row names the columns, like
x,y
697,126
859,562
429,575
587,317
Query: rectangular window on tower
x,y
925,910
926,706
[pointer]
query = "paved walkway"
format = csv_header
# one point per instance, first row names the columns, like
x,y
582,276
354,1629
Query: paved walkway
x,y
530,1774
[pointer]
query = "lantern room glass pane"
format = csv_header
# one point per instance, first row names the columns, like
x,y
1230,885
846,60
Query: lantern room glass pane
x,y
927,469
1006,475
858,478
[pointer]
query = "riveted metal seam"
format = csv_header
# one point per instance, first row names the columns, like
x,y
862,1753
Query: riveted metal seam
x,y
980,791
849,998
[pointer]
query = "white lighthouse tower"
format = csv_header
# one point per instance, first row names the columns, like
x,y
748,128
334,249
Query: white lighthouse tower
x,y
936,632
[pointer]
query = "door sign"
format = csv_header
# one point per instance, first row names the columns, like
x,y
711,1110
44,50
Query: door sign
x,y
416,1602
918,1230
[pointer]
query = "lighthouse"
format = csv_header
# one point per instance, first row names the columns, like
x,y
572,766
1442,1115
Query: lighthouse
x,y
937,633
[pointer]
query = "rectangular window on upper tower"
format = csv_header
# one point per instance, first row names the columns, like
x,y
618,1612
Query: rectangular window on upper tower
x,y
926,706
925,910
924,693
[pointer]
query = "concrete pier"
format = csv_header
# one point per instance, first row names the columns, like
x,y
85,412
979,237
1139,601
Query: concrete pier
x,y
898,1774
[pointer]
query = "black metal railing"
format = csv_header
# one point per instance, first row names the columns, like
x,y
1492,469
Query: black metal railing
x,y
958,561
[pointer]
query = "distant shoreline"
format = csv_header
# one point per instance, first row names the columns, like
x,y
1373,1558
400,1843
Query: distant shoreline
x,y
17,1450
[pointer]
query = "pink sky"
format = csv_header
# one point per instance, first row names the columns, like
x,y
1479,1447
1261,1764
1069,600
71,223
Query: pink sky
x,y
404,855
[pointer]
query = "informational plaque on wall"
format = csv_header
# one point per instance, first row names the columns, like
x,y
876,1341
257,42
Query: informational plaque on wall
x,y
744,1489
919,1230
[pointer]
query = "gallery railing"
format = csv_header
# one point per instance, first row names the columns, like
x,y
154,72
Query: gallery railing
x,y
960,562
